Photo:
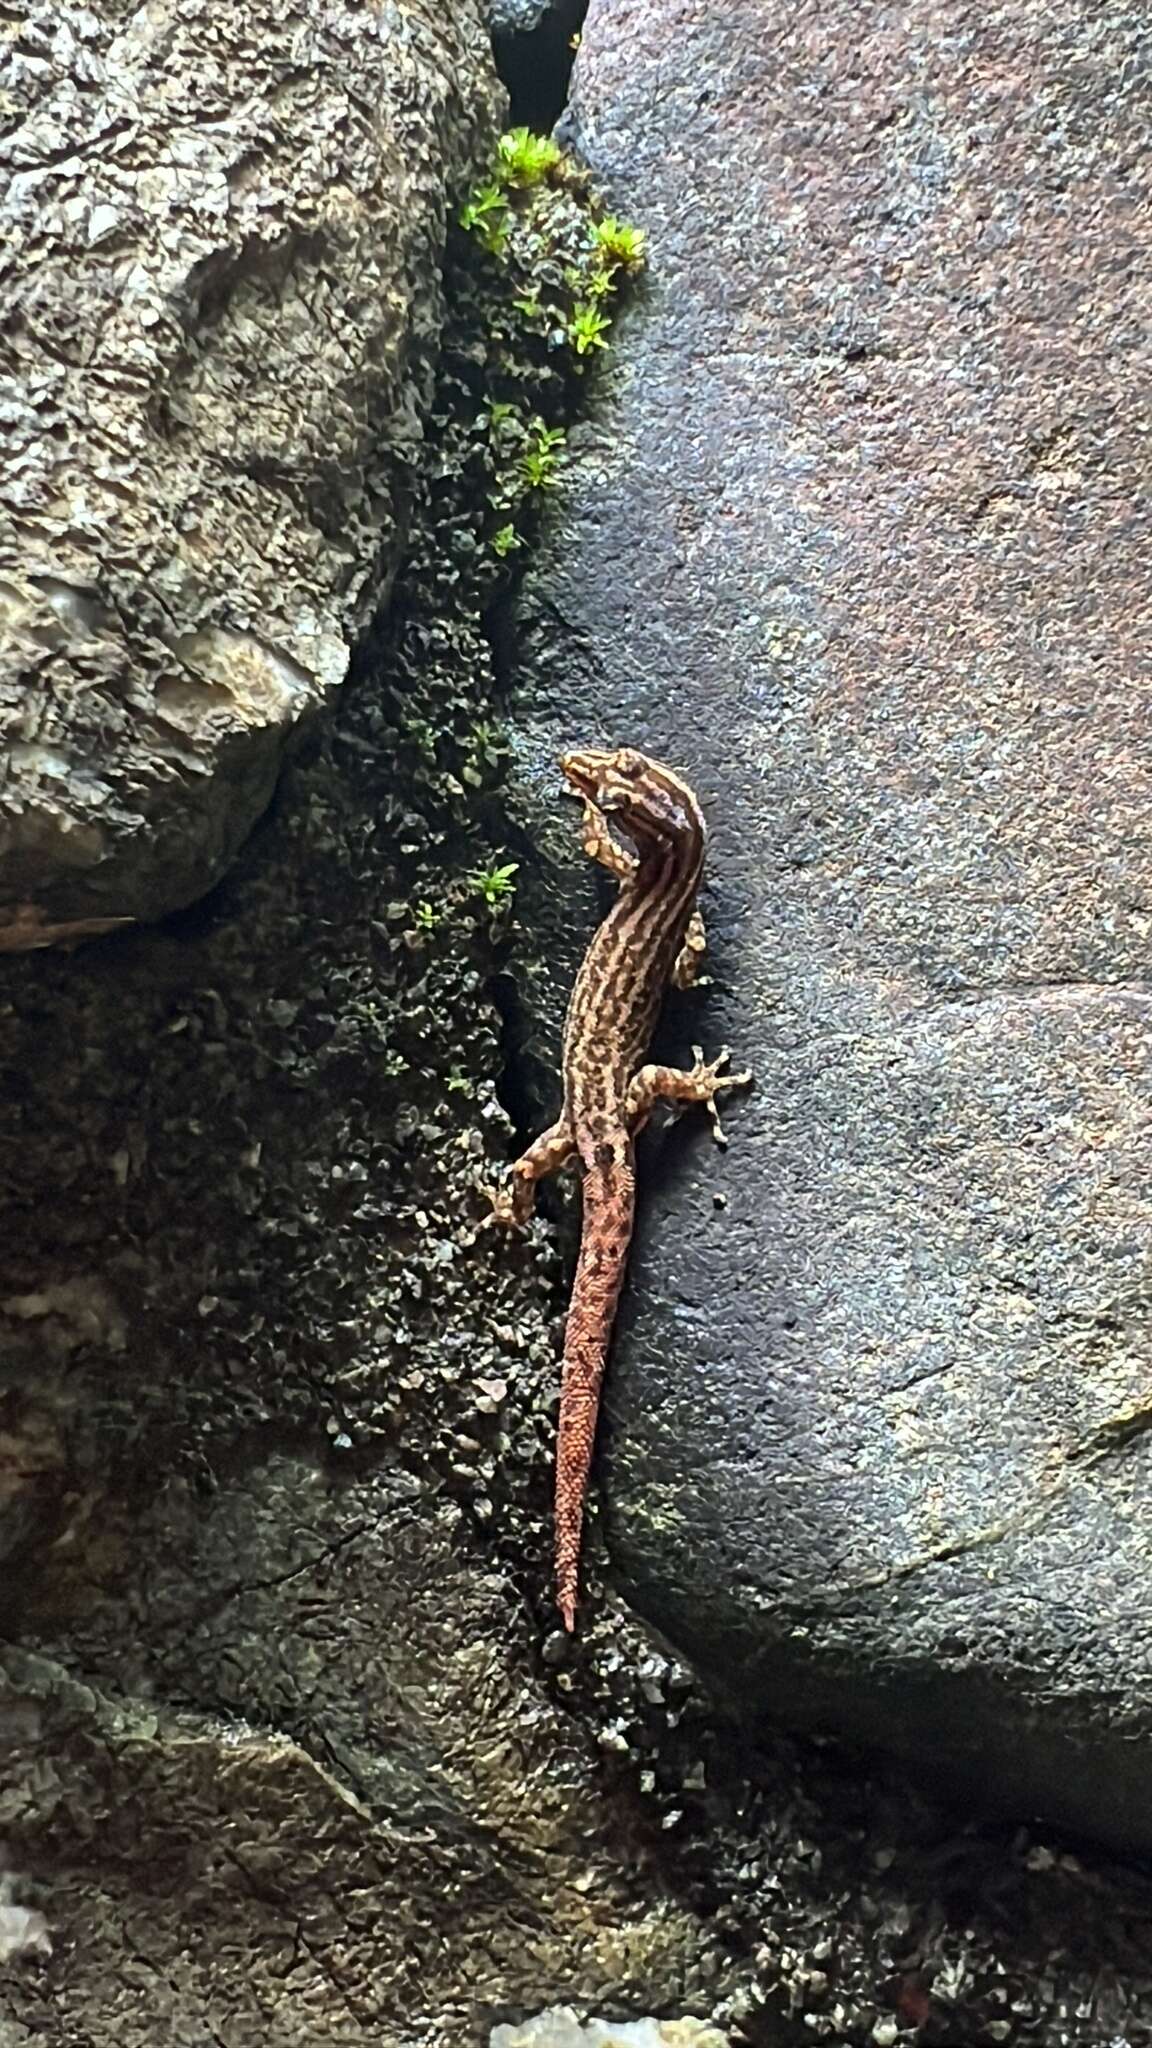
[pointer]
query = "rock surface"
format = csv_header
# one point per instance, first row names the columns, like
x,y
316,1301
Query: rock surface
x,y
314,1797
223,252
525,17
856,542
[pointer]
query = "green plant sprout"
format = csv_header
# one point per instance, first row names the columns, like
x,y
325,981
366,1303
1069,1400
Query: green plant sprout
x,y
587,329
618,243
487,740
426,917
504,540
540,457
486,215
525,159
495,885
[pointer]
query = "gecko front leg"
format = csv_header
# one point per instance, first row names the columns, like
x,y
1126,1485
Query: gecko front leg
x,y
599,844
701,1082
689,960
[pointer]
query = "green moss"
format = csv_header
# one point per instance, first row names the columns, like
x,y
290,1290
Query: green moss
x,y
618,243
495,884
547,268
525,159
555,267
486,214
505,539
588,329
541,455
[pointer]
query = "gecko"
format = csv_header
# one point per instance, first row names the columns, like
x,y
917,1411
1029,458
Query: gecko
x,y
653,935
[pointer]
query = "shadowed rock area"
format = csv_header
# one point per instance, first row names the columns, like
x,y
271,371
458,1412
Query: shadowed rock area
x,y
856,542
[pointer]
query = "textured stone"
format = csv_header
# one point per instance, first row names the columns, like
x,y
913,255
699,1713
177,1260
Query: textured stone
x,y
223,239
316,1798
857,543
520,17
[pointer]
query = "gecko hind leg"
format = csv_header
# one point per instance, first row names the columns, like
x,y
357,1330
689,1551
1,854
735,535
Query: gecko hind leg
x,y
513,1203
702,1082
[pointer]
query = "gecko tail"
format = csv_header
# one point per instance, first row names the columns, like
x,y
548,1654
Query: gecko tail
x,y
609,1201
571,1484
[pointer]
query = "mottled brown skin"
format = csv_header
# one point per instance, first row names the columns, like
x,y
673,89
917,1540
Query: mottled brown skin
x,y
652,935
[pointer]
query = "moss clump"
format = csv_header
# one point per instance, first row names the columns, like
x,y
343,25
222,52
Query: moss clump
x,y
524,160
588,328
555,267
620,245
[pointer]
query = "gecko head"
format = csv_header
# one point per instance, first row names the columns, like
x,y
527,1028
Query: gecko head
x,y
650,803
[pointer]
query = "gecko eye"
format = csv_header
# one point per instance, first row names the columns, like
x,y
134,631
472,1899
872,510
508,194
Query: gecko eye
x,y
619,785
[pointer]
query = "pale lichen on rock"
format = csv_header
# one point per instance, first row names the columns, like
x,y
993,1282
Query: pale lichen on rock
x,y
560,2027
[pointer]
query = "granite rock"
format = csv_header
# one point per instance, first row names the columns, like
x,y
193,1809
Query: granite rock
x,y
856,542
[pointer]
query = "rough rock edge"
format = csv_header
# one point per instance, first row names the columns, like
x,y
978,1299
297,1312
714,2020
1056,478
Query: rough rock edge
x,y
222,269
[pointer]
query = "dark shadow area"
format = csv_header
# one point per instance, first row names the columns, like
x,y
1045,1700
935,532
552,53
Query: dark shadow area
x,y
535,61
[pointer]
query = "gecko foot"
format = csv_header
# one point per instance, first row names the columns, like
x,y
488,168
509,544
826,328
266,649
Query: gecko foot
x,y
707,1081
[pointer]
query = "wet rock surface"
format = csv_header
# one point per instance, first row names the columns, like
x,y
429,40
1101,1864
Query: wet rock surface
x,y
314,1795
854,541
222,267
